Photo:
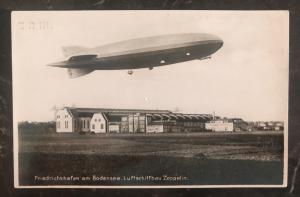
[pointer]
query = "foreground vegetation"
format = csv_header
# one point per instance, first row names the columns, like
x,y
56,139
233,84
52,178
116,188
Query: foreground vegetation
x,y
203,158
198,171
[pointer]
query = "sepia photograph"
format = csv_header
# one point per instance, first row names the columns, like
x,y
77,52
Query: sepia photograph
x,y
150,99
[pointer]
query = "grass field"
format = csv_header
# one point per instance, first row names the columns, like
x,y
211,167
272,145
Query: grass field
x,y
202,158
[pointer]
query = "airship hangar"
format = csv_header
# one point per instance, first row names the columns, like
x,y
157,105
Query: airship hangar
x,y
108,120
103,120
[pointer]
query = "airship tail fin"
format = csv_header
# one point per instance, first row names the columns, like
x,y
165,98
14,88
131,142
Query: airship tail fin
x,y
78,72
71,50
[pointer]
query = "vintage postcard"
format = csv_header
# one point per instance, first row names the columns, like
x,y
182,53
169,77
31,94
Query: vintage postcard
x,y
150,99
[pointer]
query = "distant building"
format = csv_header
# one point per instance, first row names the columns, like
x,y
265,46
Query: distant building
x,y
101,120
114,127
228,124
240,125
175,122
261,126
98,123
219,125
65,122
269,125
279,126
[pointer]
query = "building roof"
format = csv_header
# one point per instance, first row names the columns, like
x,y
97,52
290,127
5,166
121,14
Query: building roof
x,y
85,114
183,117
88,112
112,118
114,114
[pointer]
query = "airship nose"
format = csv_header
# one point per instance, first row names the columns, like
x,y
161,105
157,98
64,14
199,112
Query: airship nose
x,y
217,40
221,42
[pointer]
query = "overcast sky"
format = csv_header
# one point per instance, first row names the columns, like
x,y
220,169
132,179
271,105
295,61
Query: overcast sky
x,y
246,78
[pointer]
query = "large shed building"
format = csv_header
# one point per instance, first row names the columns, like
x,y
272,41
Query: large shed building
x,y
103,120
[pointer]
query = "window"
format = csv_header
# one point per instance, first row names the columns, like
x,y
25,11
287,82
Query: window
x,y
88,123
57,116
96,120
66,124
101,126
93,126
83,123
58,125
99,120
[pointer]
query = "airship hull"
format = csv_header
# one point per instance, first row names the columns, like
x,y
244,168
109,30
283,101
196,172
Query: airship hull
x,y
144,53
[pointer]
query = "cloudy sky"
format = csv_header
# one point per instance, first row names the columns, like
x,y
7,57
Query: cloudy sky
x,y
247,77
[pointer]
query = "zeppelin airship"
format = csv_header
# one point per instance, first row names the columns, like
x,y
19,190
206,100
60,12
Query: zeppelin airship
x,y
146,52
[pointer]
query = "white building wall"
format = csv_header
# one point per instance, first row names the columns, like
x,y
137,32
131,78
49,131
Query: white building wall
x,y
208,126
219,126
114,128
64,121
155,129
98,123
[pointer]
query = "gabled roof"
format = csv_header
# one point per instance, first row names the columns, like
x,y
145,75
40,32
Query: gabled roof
x,y
70,112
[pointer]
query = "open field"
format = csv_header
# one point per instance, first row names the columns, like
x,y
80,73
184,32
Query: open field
x,y
249,146
202,158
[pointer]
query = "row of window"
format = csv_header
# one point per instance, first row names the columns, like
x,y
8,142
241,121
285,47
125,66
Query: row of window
x,y
66,124
101,126
84,124
58,116
193,123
